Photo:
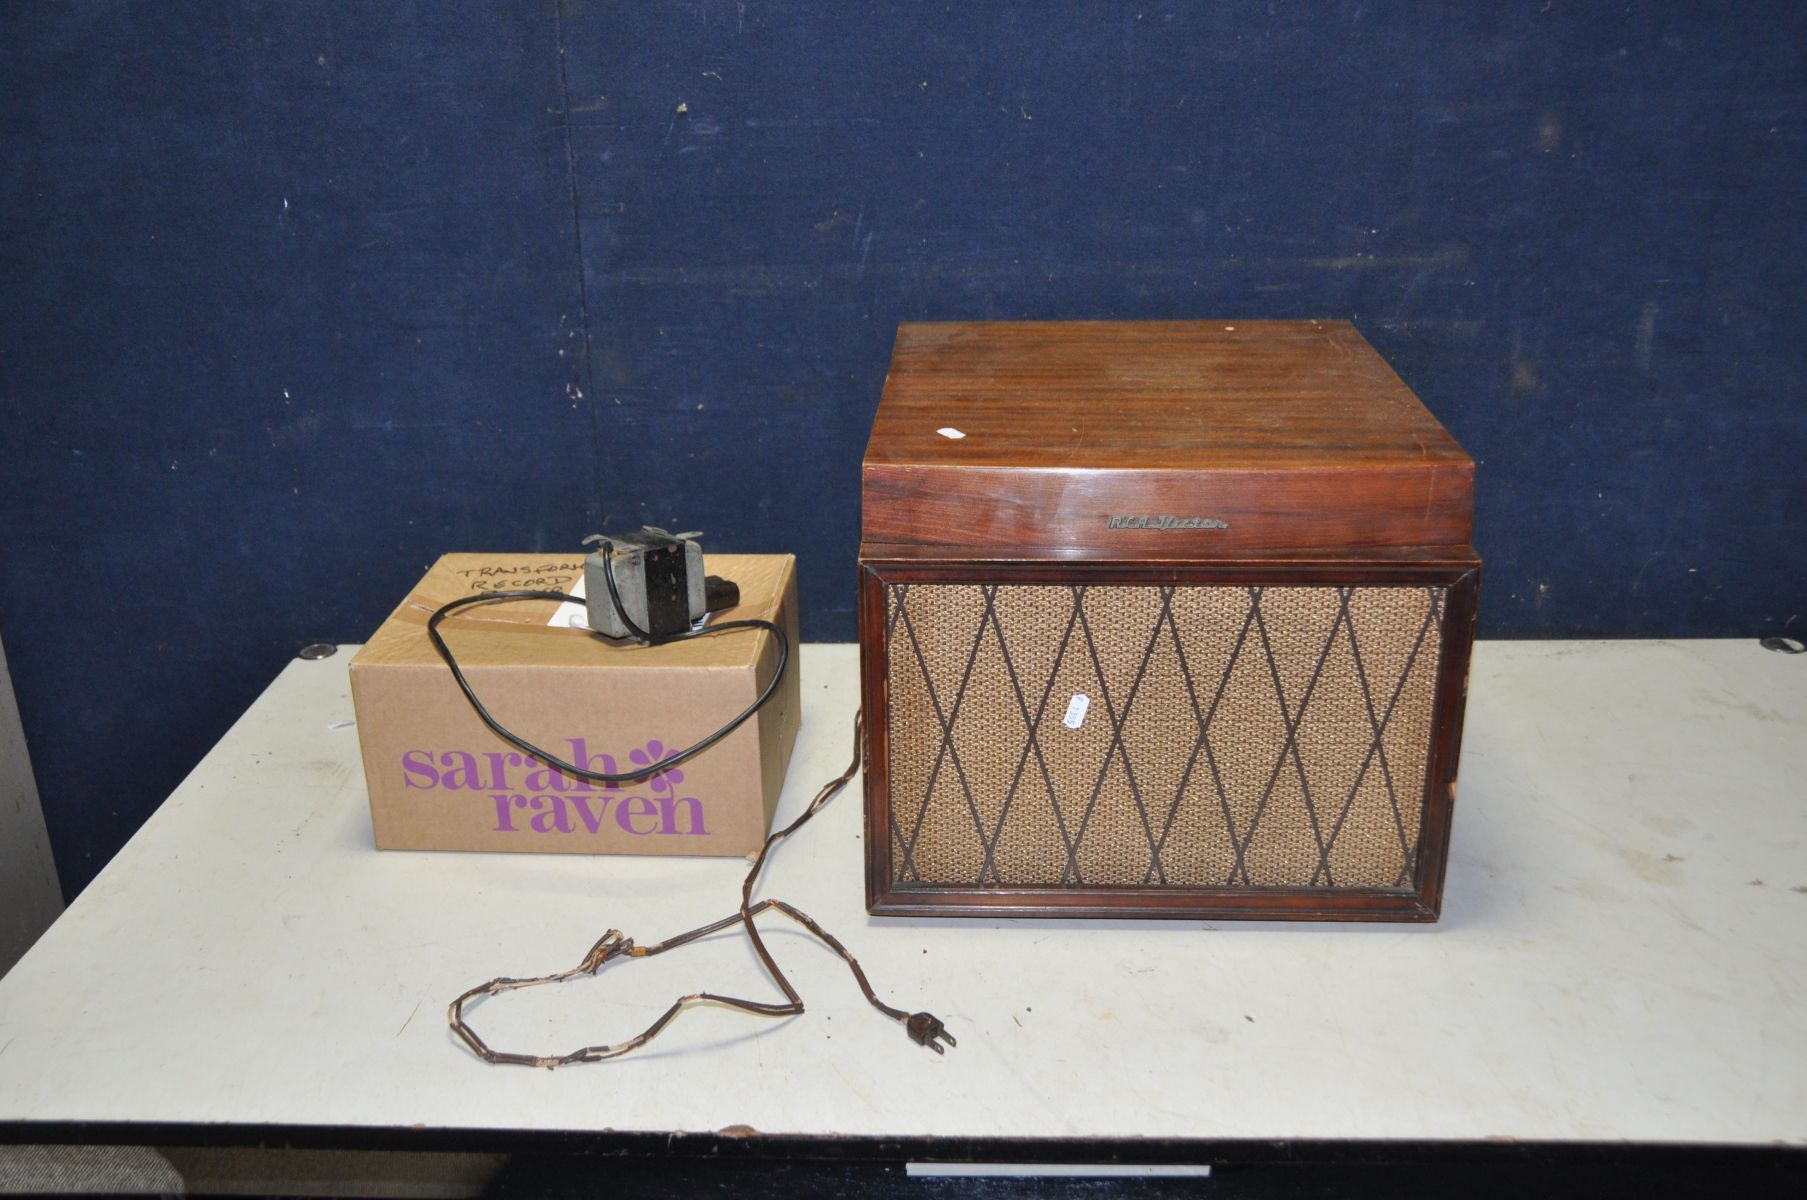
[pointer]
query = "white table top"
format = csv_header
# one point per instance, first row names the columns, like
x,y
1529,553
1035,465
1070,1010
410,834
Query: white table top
x,y
1622,955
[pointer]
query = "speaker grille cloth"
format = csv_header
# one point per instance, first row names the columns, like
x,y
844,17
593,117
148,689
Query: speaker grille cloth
x,y
1237,736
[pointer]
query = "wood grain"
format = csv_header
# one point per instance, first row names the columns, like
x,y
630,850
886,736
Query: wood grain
x,y
1315,464
1290,433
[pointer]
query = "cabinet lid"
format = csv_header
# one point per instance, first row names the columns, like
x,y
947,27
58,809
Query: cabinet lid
x,y
1157,437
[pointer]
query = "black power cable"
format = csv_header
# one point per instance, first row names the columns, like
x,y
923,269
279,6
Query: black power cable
x,y
641,636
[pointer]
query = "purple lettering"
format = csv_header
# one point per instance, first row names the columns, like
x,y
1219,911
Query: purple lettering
x,y
502,799
463,775
668,815
546,822
601,763
632,807
419,763
543,778
549,795
592,818
498,767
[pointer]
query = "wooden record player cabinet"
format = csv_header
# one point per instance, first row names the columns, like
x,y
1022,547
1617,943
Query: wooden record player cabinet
x,y
1160,619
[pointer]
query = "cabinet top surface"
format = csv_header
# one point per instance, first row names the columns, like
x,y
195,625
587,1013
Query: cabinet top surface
x,y
1186,395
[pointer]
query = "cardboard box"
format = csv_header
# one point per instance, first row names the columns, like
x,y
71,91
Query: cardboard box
x,y
440,780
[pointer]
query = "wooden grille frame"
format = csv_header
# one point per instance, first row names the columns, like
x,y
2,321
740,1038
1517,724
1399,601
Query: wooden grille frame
x,y
1456,571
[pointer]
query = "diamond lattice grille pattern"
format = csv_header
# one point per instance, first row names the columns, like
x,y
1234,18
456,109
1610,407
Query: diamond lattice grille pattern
x,y
1236,736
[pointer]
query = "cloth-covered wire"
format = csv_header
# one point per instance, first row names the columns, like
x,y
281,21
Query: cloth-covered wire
x,y
924,1028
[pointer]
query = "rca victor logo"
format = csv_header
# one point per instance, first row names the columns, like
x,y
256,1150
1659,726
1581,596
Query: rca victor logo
x,y
1167,521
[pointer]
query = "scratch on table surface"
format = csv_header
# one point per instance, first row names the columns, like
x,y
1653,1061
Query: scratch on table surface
x,y
405,1024
9,1043
1682,916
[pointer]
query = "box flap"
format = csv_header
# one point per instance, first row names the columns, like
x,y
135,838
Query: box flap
x,y
517,633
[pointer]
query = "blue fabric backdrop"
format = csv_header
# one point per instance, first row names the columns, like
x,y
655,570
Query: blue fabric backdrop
x,y
297,297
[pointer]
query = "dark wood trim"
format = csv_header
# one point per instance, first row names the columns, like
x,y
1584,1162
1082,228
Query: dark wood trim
x,y
902,554
1159,903
874,705
1461,601
1457,569
1283,507
1445,570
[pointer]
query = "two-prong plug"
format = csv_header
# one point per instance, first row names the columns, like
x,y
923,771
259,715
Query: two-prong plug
x,y
926,1029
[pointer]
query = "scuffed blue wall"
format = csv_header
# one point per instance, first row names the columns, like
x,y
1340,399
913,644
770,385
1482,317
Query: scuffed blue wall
x,y
297,297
